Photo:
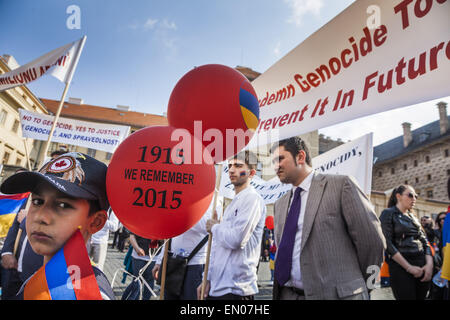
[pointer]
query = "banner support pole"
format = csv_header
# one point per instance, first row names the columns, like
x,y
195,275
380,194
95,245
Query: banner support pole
x,y
63,98
214,216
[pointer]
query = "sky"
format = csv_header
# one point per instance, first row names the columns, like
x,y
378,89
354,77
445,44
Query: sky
x,y
136,51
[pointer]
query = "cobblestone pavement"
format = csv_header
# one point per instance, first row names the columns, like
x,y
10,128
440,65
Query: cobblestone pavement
x,y
114,264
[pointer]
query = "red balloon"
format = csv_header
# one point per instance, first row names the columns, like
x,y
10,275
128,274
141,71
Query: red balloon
x,y
221,98
154,187
269,222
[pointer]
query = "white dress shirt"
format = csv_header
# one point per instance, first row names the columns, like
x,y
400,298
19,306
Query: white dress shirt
x,y
296,275
236,246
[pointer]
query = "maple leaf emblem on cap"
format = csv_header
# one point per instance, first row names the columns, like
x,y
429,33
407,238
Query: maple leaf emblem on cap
x,y
60,164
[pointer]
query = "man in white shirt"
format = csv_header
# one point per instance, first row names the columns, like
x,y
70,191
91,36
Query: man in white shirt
x,y
98,246
237,238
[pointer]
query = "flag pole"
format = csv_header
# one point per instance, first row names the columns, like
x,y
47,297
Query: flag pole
x,y
27,154
63,97
214,216
163,271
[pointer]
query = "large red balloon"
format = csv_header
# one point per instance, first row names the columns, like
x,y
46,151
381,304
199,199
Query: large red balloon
x,y
221,98
154,188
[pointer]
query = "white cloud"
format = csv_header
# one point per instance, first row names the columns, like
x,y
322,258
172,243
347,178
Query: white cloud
x,y
303,7
150,24
168,25
277,49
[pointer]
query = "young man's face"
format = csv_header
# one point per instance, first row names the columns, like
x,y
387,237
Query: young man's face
x,y
286,166
238,172
53,217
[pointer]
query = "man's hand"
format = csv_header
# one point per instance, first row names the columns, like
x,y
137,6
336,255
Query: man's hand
x,y
155,271
210,223
9,261
140,252
199,290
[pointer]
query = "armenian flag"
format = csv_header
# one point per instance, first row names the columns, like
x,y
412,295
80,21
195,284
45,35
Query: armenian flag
x,y
446,247
10,205
67,276
249,108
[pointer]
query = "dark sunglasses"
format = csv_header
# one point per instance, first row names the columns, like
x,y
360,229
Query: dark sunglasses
x,y
411,195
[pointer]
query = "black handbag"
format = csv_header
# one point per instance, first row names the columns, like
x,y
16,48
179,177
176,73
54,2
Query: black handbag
x,y
176,269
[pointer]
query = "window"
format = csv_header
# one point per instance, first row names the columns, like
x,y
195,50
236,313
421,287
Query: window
x,y
448,172
406,181
427,159
405,166
429,193
380,174
18,161
415,163
15,126
446,153
417,180
6,157
429,177
3,115
91,152
108,156
392,170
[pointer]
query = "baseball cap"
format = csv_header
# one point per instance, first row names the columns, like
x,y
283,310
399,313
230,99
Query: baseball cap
x,y
74,174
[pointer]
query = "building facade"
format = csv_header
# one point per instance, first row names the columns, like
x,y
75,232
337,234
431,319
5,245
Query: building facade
x,y
15,150
420,158
74,108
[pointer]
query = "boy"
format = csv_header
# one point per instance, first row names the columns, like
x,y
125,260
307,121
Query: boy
x,y
68,194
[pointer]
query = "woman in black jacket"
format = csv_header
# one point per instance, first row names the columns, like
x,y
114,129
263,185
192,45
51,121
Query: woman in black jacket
x,y
410,261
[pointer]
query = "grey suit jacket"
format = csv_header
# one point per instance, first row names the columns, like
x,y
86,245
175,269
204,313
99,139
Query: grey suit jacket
x,y
341,238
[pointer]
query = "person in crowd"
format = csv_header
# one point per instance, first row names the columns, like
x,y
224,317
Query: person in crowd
x,y
326,231
428,227
272,252
184,244
68,194
19,265
98,246
437,293
57,153
236,240
409,254
123,236
142,249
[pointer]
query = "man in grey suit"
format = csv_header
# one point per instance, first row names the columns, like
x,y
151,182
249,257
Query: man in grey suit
x,y
326,232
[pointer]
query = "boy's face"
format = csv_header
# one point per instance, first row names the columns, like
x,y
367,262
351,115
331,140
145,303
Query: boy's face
x,y
53,217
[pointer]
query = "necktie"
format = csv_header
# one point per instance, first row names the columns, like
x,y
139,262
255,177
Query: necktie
x,y
283,263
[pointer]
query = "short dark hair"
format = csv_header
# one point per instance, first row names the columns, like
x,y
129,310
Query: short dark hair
x,y
294,145
57,153
248,157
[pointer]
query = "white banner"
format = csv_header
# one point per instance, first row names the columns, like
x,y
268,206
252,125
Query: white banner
x,y
99,136
354,158
374,56
60,63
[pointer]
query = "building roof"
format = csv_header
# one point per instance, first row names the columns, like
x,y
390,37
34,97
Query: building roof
x,y
248,73
104,114
421,138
